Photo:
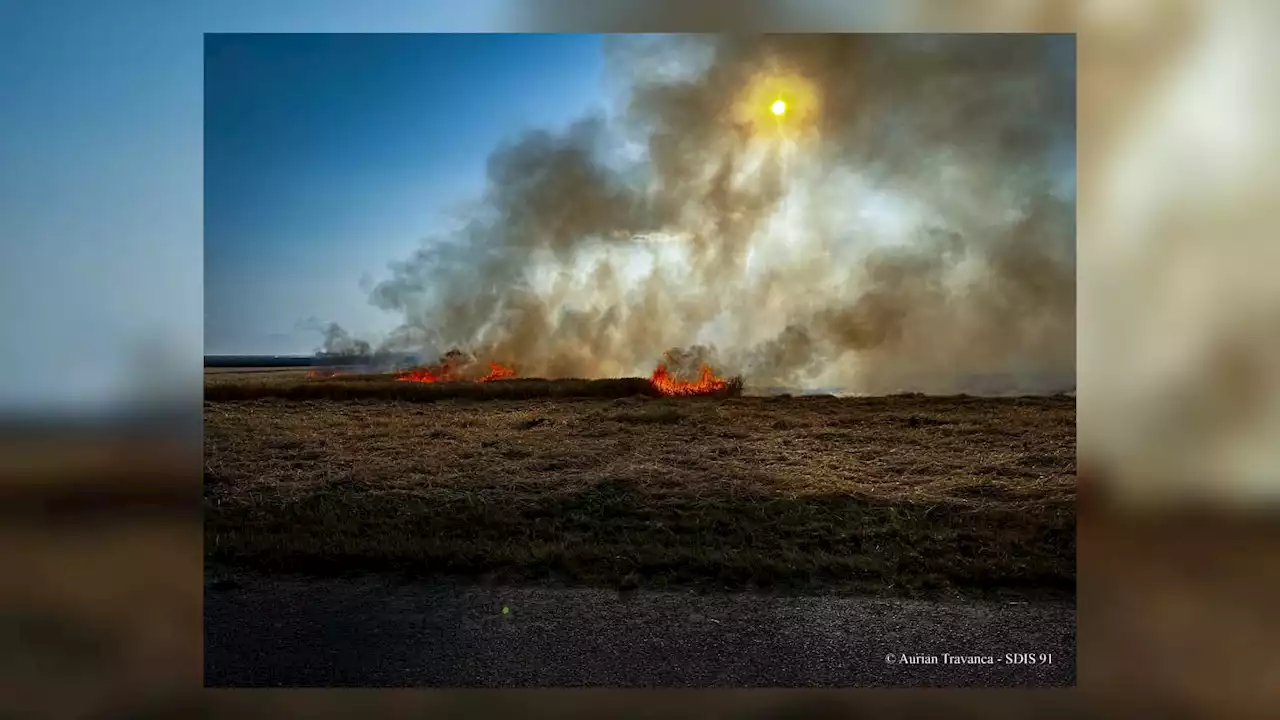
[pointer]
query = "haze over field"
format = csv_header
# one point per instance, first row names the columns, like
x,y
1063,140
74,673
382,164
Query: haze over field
x,y
904,220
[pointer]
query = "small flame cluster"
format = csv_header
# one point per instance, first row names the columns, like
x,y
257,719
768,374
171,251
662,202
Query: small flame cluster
x,y
448,371
669,384
322,374
497,372
424,375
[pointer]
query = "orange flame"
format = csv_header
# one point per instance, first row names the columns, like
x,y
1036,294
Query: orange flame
x,y
322,374
497,372
422,375
668,384
450,371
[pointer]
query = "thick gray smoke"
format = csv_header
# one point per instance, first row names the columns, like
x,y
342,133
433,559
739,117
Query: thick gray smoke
x,y
907,224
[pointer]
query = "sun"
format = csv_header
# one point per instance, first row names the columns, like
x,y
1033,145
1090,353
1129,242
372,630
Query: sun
x,y
774,100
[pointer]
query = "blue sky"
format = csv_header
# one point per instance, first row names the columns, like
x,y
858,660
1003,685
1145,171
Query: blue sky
x,y
101,198
326,156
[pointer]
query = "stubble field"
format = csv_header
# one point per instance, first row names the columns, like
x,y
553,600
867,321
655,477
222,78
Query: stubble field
x,y
599,483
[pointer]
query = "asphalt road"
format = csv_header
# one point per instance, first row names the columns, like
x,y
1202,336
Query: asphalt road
x,y
380,632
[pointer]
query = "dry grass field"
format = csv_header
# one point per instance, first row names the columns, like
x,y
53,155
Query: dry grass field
x,y
596,482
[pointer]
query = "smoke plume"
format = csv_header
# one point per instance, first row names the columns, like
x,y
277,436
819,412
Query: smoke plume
x,y
907,224
337,341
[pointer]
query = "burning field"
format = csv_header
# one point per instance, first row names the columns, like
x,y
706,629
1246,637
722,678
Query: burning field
x,y
598,342
460,375
456,367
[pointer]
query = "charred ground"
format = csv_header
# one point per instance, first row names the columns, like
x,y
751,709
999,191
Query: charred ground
x,y
598,482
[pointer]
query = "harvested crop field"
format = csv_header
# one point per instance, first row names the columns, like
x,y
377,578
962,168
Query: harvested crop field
x,y
899,494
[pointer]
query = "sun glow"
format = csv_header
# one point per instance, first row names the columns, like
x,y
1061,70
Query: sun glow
x,y
774,96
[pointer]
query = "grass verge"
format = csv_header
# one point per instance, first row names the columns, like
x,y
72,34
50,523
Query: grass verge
x,y
901,495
